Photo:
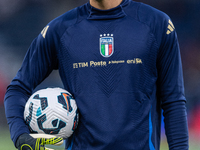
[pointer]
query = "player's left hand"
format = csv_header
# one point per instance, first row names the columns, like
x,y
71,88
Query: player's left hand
x,y
27,142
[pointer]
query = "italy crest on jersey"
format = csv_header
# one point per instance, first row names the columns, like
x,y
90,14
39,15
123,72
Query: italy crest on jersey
x,y
106,43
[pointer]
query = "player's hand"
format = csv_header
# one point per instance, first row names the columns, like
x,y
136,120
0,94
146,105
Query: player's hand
x,y
27,142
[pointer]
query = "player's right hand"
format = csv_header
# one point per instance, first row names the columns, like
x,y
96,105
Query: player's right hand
x,y
27,142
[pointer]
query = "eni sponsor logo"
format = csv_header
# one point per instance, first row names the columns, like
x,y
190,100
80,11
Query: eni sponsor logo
x,y
134,61
91,64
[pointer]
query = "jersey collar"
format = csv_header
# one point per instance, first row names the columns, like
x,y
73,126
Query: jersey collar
x,y
113,13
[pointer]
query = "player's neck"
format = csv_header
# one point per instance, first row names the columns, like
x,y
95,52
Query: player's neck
x,y
105,4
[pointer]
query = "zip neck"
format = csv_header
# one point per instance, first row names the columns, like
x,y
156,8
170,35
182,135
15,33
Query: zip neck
x,y
113,13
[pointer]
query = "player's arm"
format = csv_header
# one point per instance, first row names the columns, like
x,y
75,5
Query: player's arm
x,y
38,63
171,88
170,78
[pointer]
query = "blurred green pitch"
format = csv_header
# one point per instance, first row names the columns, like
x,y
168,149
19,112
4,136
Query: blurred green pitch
x,y
7,144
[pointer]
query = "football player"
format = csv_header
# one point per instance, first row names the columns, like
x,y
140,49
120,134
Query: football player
x,y
121,61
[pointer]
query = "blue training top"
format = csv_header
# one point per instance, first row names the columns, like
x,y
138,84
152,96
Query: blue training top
x,y
122,65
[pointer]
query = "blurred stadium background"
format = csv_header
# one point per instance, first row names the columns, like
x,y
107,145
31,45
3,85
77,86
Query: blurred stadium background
x,y
22,20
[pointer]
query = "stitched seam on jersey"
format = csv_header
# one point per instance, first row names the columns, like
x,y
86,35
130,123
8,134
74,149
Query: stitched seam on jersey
x,y
76,22
154,37
146,25
71,26
138,19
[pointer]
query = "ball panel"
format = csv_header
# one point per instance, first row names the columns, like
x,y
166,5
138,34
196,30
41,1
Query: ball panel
x,y
51,111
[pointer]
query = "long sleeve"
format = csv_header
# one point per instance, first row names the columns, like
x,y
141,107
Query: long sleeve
x,y
39,61
171,90
170,86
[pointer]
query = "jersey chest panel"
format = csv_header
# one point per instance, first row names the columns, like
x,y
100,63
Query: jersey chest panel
x,y
119,49
106,41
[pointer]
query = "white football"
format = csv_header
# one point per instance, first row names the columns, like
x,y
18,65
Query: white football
x,y
51,111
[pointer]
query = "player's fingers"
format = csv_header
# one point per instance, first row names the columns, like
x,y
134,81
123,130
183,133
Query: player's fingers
x,y
52,141
39,145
